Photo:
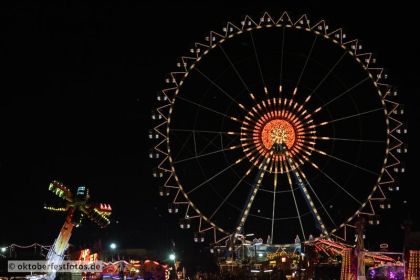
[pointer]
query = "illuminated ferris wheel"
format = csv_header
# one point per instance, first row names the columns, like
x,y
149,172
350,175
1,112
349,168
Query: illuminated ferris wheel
x,y
276,127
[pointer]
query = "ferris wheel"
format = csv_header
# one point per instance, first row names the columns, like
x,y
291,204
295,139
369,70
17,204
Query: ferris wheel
x,y
277,127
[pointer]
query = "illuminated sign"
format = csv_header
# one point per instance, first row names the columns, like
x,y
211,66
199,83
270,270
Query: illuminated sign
x,y
85,255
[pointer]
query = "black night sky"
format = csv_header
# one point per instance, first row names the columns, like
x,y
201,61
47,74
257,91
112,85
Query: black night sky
x,y
78,86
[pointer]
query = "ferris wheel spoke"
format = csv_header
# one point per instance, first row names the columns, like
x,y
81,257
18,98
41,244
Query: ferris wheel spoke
x,y
300,171
306,195
342,94
308,56
336,183
345,139
234,68
282,57
233,139
210,142
254,190
278,192
195,131
253,155
220,89
216,175
184,144
207,154
346,162
289,180
258,62
273,214
300,157
349,117
231,192
208,109
195,143
325,78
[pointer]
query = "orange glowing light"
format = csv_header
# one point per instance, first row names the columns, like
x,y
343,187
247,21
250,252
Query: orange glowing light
x,y
278,131
277,120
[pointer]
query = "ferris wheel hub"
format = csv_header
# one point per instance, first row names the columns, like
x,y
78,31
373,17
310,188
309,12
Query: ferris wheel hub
x,y
278,131
281,122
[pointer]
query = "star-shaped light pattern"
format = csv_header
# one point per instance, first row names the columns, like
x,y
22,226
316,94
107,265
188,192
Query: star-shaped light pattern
x,y
278,121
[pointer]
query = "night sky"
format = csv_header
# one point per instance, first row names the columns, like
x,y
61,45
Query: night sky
x,y
79,84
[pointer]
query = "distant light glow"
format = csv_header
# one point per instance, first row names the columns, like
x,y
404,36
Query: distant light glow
x,y
113,246
172,257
